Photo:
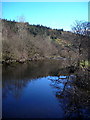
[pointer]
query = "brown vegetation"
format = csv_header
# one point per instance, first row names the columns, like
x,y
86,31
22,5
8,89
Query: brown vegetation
x,y
21,41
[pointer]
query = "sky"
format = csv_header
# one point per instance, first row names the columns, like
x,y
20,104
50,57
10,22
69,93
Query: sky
x,y
56,15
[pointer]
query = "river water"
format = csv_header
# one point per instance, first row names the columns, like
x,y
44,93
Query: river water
x,y
42,89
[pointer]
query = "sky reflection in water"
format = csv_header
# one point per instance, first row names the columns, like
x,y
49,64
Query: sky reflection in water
x,y
35,92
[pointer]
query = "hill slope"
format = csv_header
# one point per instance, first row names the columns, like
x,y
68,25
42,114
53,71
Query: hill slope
x,y
22,41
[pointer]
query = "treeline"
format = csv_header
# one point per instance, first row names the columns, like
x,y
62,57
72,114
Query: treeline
x,y
34,29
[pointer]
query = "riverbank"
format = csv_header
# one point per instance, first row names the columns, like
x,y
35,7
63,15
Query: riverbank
x,y
32,59
24,42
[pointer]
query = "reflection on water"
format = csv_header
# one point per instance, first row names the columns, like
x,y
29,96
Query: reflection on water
x,y
75,102
41,90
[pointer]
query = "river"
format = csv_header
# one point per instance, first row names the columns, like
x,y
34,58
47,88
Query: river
x,y
42,89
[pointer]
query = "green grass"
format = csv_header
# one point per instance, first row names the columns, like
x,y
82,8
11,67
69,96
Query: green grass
x,y
85,63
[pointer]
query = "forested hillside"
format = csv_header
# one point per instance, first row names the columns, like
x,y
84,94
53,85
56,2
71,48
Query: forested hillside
x,y
22,41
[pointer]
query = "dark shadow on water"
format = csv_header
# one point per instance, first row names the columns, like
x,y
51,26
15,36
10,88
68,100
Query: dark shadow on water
x,y
74,101
43,89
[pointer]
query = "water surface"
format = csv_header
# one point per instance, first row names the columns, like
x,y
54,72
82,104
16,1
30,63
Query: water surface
x,y
41,90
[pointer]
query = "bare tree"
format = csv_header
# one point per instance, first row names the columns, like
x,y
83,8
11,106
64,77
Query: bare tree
x,y
81,29
21,18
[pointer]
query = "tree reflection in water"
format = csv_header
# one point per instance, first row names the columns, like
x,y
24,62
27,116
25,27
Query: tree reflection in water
x,y
67,87
16,76
74,101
